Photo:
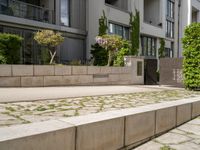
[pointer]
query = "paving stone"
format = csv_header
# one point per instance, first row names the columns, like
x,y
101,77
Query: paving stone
x,y
186,146
190,129
172,138
150,146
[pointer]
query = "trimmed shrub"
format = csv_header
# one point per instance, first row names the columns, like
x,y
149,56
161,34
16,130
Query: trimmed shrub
x,y
124,51
191,63
10,45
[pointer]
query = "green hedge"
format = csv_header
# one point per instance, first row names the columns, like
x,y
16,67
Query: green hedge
x,y
191,63
10,45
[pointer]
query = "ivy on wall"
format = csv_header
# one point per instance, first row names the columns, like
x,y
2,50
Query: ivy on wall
x,y
135,32
161,50
191,63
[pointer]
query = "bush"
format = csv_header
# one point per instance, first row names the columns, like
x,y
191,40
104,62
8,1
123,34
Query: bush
x,y
191,63
10,45
124,51
99,55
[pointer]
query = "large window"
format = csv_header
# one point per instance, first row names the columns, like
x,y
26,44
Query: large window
x,y
64,14
148,46
170,19
119,30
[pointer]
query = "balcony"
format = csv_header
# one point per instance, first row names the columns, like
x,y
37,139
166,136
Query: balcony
x,y
25,10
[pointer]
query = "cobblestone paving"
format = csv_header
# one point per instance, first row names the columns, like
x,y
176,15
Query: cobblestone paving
x,y
185,137
27,112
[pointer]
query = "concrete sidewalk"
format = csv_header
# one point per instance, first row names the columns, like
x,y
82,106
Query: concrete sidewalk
x,y
50,93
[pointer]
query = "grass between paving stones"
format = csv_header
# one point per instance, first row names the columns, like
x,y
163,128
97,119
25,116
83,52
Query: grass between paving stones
x,y
45,110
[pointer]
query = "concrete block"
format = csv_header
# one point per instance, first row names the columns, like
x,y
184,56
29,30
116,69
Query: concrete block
x,y
63,70
10,82
22,70
78,79
126,70
126,77
114,77
49,135
165,119
195,109
116,70
94,70
79,70
139,127
53,81
94,132
5,70
184,113
106,70
101,80
32,81
44,70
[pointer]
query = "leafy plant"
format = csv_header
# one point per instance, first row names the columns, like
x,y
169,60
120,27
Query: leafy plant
x,y
112,43
124,51
99,54
166,148
10,45
191,62
135,32
162,48
50,39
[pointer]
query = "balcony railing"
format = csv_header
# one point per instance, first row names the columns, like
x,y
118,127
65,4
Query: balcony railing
x,y
25,10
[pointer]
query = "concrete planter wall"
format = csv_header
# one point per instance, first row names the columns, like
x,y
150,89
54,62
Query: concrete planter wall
x,y
123,129
55,75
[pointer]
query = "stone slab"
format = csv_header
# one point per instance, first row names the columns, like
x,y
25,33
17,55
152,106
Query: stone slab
x,y
22,70
10,82
195,109
32,81
79,70
165,119
44,70
53,81
184,113
63,70
94,70
5,70
139,127
49,135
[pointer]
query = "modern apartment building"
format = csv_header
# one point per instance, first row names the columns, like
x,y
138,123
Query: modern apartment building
x,y
78,20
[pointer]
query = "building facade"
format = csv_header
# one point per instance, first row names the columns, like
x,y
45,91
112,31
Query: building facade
x,y
78,20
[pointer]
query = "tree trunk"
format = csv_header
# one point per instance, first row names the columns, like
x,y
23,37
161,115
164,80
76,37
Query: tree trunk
x,y
109,58
53,54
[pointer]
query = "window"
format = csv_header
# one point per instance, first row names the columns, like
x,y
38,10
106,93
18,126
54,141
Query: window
x,y
64,14
119,30
170,19
169,52
148,46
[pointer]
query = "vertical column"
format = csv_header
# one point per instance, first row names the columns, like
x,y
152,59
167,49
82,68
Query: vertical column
x,y
57,12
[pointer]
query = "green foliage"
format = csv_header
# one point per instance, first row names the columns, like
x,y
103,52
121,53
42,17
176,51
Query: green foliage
x,y
99,54
191,63
124,51
135,32
112,43
103,24
50,39
162,48
10,45
45,56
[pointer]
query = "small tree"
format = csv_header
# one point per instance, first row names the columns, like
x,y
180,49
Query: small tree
x,y
112,43
10,45
162,48
99,54
135,32
191,63
50,39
